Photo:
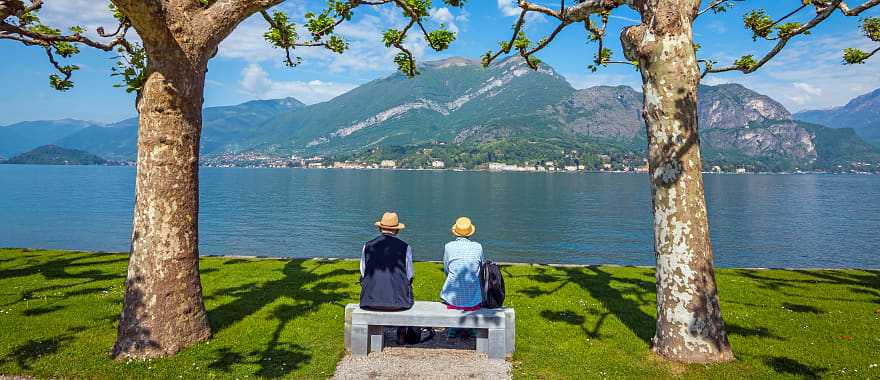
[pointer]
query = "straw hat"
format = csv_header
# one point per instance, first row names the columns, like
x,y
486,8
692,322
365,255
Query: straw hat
x,y
390,222
463,227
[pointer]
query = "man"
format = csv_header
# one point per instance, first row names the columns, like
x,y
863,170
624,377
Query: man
x,y
386,268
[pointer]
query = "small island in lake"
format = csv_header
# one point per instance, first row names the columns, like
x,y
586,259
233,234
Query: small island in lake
x,y
56,155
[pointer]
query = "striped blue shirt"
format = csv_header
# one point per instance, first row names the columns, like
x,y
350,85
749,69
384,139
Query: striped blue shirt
x,y
462,259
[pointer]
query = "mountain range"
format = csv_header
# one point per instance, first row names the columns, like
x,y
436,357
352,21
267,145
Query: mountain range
x,y
861,114
506,112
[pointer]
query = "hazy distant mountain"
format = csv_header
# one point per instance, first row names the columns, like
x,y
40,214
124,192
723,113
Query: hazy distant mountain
x,y
505,112
861,114
56,155
21,137
224,129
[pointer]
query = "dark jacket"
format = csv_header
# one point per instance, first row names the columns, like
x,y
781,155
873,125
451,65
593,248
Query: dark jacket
x,y
385,283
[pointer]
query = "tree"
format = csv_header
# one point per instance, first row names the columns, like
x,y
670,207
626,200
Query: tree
x,y
689,327
163,310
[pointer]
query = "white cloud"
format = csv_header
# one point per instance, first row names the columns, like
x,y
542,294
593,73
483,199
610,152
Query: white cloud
x,y
445,17
508,7
367,55
87,13
256,82
808,73
809,89
581,81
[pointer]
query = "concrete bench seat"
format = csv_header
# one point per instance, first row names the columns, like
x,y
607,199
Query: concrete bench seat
x,y
364,329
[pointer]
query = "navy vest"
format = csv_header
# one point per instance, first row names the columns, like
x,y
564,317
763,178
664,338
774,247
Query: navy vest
x,y
385,284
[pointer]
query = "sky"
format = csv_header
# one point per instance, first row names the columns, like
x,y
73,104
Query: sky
x,y
808,74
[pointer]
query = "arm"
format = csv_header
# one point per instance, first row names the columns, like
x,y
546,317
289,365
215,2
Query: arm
x,y
409,264
445,261
363,256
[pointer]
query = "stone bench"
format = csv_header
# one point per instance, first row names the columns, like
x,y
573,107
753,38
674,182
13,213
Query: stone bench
x,y
364,329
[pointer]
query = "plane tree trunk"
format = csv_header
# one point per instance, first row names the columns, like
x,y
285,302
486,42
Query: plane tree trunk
x,y
689,323
163,309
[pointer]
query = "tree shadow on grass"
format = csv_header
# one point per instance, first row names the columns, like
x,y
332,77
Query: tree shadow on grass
x,y
869,279
27,353
36,311
788,366
800,308
307,289
63,268
760,332
617,300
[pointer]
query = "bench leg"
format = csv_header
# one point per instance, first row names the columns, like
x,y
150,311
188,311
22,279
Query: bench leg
x,y
496,349
510,331
377,336
347,327
359,340
482,340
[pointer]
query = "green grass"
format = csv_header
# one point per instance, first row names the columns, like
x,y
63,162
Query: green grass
x,y
283,318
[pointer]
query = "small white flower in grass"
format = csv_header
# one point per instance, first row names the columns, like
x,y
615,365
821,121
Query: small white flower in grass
x,y
872,366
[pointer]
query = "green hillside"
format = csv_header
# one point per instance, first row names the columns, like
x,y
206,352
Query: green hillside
x,y
56,155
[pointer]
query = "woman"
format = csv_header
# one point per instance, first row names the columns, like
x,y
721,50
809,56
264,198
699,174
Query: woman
x,y
462,259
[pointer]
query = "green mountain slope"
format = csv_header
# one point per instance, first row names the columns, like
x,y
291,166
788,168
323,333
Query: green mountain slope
x,y
56,155
507,113
452,100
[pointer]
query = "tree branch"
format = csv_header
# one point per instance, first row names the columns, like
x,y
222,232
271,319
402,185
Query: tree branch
x,y
821,15
859,9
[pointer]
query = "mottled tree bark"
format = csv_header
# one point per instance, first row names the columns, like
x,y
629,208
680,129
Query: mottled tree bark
x,y
163,309
689,323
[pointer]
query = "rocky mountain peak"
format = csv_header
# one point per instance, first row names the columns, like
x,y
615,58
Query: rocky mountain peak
x,y
735,106
451,62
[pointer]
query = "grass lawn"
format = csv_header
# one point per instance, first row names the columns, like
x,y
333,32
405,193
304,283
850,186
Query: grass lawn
x,y
283,318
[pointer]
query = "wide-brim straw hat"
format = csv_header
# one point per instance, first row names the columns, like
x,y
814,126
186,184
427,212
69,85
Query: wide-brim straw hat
x,y
463,227
390,221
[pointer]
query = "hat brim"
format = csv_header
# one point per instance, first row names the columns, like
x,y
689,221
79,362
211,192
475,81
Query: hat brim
x,y
471,231
399,226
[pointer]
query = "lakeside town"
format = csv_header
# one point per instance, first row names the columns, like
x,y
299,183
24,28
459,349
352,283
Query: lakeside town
x,y
607,164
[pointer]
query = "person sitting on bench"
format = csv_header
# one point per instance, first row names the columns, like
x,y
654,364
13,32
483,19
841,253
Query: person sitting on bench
x,y
462,259
386,268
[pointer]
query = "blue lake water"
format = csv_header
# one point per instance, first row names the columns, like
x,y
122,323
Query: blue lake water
x,y
755,220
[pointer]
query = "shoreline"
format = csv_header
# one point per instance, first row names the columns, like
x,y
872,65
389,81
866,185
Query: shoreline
x,y
480,170
504,263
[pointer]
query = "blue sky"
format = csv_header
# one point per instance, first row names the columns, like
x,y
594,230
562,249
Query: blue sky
x,y
807,75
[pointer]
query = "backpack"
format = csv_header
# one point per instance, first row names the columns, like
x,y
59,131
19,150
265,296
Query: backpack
x,y
491,285
413,335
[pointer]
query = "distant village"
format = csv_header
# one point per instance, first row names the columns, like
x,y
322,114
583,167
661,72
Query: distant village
x,y
257,160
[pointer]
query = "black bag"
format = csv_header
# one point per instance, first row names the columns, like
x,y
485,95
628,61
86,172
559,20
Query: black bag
x,y
491,285
413,335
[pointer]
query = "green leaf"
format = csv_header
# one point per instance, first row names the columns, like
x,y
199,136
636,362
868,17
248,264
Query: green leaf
x,y
745,63
787,29
60,84
871,27
759,23
405,64
392,37
131,67
336,44
521,41
440,39
853,56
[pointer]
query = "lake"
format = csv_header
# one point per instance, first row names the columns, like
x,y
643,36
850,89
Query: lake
x,y
755,220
